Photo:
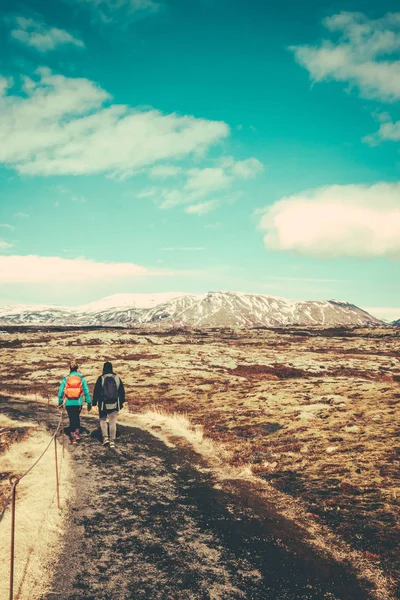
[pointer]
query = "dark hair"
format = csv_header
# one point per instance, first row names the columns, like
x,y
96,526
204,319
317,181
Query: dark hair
x,y
107,368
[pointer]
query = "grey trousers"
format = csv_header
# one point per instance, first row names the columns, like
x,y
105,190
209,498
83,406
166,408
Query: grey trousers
x,y
112,421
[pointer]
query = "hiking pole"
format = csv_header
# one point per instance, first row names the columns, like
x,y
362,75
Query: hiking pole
x,y
57,482
14,482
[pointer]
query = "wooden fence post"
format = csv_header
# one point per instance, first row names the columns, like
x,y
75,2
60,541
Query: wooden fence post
x,y
14,482
57,482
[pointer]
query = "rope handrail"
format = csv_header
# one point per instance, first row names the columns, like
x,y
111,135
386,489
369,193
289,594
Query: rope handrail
x,y
43,453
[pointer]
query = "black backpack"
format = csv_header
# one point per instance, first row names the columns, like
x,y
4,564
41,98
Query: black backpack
x,y
110,393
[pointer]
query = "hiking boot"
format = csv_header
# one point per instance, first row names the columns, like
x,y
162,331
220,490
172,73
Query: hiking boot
x,y
106,441
77,435
112,444
73,437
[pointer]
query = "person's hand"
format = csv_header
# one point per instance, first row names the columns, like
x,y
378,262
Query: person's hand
x,y
89,407
60,405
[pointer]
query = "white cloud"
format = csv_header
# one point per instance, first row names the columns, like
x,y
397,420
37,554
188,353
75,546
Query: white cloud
x,y
365,55
53,269
7,226
248,168
201,209
244,169
62,127
164,171
5,245
388,131
201,182
21,215
171,198
337,221
41,36
5,83
50,270
147,193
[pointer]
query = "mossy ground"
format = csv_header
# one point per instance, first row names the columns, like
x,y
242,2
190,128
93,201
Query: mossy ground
x,y
314,415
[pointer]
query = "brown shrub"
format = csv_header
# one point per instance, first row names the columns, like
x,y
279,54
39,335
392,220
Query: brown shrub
x,y
140,356
274,372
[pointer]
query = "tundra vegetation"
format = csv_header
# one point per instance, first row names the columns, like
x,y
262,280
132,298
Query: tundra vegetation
x,y
312,412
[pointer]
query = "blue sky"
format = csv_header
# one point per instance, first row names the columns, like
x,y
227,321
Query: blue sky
x,y
159,145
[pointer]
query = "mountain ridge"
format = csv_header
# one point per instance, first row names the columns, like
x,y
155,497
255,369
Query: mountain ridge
x,y
214,309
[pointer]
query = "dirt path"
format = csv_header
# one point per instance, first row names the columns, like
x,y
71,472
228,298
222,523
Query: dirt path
x,y
147,523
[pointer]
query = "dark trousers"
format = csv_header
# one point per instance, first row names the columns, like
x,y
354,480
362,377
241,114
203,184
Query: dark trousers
x,y
74,420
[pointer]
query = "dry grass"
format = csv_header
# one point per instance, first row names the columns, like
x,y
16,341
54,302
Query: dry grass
x,y
315,417
10,433
7,423
168,427
39,523
173,427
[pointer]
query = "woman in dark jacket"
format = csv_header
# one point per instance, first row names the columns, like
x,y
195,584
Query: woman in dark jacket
x,y
109,396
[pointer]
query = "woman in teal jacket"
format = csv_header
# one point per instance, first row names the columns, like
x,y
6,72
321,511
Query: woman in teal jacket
x,y
74,389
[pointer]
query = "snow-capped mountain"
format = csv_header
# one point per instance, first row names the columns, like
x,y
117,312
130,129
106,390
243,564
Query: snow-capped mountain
x,y
215,309
48,316
226,309
149,312
121,301
12,309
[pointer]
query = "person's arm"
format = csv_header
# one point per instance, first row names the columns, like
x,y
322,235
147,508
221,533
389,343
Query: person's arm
x,y
121,393
97,392
61,391
86,391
